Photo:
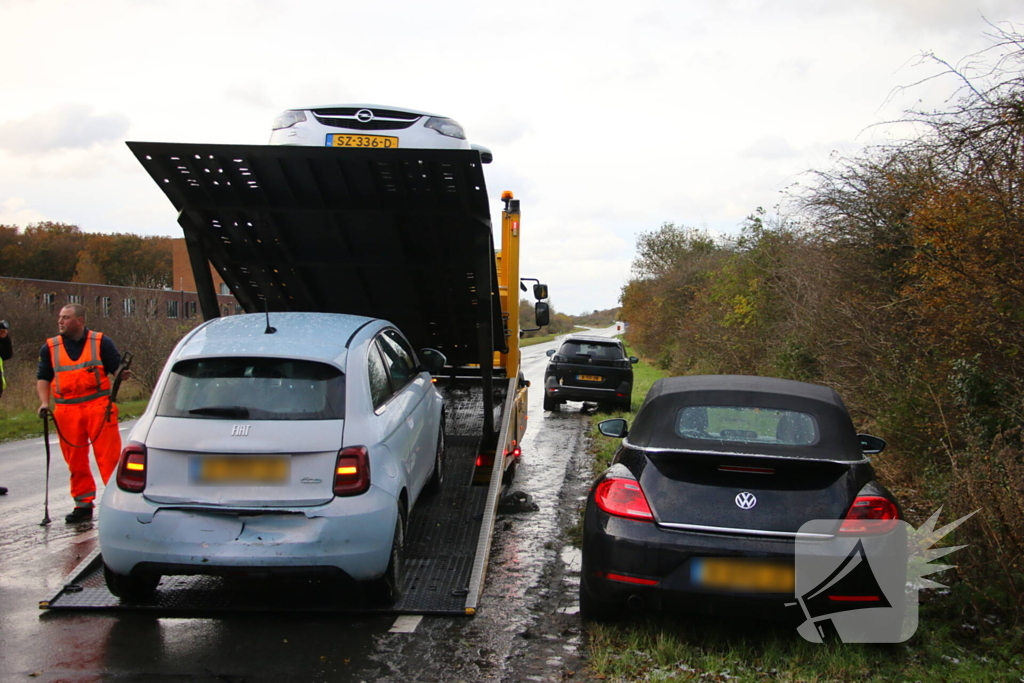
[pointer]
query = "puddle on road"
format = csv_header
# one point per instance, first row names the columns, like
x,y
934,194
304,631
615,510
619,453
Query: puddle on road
x,y
526,548
572,557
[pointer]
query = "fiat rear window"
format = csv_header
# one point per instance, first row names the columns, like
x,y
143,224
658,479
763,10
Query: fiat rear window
x,y
254,389
747,424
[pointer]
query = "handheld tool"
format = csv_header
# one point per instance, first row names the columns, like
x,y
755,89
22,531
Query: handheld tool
x,y
46,441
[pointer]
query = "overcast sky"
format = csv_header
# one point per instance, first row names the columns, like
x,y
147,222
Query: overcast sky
x,y
606,119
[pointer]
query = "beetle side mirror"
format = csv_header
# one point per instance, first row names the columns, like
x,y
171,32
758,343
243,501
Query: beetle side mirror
x,y
871,445
543,313
432,360
616,427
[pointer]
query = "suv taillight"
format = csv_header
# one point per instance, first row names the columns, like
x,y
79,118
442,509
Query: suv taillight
x,y
623,498
131,468
352,472
870,515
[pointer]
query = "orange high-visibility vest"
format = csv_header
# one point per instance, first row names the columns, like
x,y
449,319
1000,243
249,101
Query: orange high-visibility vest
x,y
78,381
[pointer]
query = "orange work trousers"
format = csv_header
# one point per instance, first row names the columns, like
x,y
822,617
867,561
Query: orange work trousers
x,y
82,425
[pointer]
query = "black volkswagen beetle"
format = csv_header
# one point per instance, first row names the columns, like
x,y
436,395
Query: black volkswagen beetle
x,y
702,507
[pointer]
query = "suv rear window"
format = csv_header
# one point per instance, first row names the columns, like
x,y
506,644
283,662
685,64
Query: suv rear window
x,y
254,389
747,424
592,350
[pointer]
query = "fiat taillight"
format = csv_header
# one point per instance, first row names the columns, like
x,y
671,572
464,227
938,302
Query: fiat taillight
x,y
352,471
131,468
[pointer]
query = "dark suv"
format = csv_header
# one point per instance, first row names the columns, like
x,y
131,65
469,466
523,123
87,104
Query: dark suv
x,y
589,369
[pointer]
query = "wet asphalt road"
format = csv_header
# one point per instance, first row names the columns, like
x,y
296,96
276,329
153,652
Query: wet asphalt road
x,y
50,646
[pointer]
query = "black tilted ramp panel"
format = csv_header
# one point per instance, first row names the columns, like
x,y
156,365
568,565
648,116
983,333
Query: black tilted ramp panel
x,y
403,235
439,554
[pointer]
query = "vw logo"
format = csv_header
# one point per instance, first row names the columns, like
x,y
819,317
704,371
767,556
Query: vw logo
x,y
364,115
745,500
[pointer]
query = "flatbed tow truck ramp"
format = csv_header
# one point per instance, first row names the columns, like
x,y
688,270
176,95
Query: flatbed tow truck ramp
x,y
403,235
439,555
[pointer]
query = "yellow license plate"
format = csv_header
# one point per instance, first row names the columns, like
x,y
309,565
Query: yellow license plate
x,y
737,574
590,378
241,470
363,141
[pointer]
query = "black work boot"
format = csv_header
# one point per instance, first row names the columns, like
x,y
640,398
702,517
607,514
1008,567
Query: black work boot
x,y
78,515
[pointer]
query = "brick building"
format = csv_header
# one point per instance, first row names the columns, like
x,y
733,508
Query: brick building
x,y
112,300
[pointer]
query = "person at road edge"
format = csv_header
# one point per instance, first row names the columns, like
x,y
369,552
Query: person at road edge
x,y
76,365
6,353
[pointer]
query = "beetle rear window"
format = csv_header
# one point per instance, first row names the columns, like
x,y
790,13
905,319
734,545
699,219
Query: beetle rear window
x,y
747,424
254,389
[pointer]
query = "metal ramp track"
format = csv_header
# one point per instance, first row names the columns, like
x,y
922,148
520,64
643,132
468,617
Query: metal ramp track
x,y
440,554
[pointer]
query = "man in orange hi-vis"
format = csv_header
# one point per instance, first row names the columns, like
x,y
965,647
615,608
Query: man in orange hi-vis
x,y
76,365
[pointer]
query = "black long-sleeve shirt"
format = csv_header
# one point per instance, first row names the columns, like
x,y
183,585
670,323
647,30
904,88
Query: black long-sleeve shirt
x,y
6,347
109,354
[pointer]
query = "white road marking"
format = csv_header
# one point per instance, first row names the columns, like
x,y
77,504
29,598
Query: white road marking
x,y
406,623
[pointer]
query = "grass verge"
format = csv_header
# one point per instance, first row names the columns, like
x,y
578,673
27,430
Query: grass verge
x,y
644,375
27,424
666,648
670,648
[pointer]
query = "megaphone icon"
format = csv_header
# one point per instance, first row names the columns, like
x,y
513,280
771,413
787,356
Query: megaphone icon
x,y
851,586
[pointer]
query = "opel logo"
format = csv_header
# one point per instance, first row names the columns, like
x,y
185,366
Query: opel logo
x,y
364,116
745,500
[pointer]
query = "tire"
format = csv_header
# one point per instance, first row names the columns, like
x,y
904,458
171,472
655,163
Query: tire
x,y
551,404
592,608
388,588
510,474
436,481
129,587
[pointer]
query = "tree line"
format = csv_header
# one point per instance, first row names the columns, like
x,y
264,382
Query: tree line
x,y
560,322
897,277
62,252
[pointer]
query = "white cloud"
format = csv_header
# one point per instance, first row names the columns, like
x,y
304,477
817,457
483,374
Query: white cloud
x,y
769,147
13,211
66,126
605,120
945,15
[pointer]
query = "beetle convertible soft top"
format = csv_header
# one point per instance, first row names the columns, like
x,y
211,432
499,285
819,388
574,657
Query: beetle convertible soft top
x,y
655,428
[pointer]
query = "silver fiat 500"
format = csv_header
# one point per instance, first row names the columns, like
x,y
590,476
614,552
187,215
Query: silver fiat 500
x,y
302,449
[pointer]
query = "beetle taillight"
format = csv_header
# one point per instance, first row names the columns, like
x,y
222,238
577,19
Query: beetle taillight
x,y
623,498
131,468
870,515
352,471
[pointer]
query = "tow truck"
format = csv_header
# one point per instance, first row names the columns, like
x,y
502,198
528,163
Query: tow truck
x,y
403,235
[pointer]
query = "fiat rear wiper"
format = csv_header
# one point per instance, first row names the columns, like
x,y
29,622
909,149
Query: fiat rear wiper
x,y
221,411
